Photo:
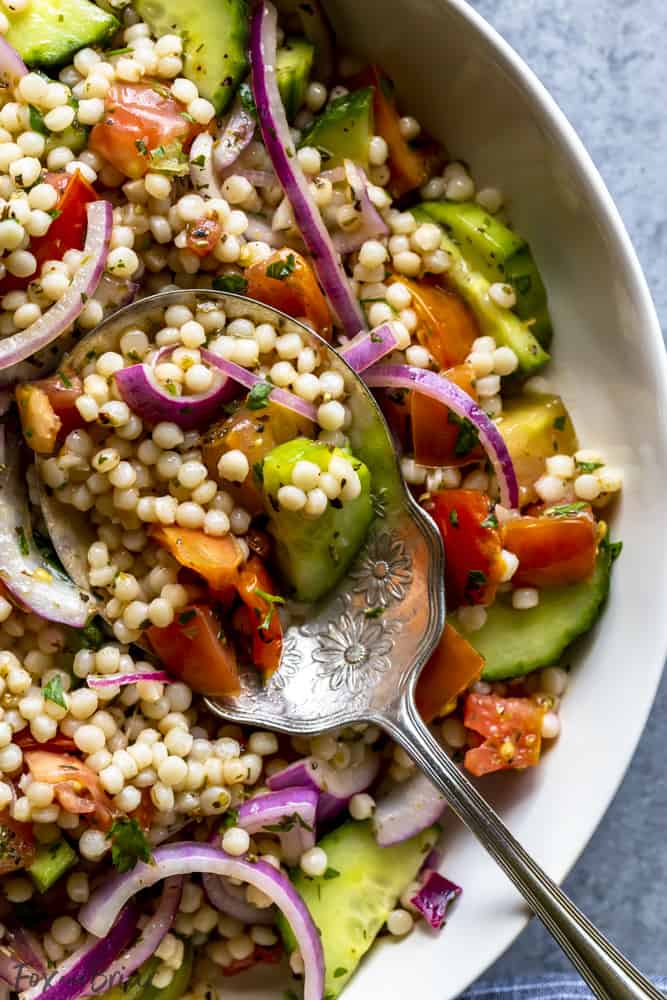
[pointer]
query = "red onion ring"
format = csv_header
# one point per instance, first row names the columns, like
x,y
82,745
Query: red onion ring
x,y
112,680
372,224
202,173
280,147
60,316
409,808
222,896
290,813
368,348
246,378
148,941
434,898
441,389
236,134
12,67
188,857
336,787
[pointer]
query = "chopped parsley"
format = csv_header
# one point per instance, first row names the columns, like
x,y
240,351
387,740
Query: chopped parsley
x,y
230,819
564,510
588,466
467,437
37,121
490,521
340,971
330,873
289,823
141,147
128,844
476,580
559,422
199,161
258,397
258,472
186,616
614,548
454,517
231,283
271,600
24,548
53,691
247,100
373,612
281,269
376,338
67,382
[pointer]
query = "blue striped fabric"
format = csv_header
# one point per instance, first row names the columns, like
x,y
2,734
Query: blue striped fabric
x,y
537,988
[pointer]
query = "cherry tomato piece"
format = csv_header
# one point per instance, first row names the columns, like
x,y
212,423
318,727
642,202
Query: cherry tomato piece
x,y
439,437
451,669
77,787
17,845
446,326
216,559
202,236
553,551
195,648
286,281
512,728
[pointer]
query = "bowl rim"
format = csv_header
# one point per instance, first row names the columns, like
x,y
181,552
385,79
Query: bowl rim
x,y
608,216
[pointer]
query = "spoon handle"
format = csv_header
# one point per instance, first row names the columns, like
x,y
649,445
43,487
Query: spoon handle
x,y
608,973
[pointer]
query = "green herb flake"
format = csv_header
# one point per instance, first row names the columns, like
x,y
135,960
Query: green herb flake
x,y
231,283
454,517
330,873
247,100
199,161
373,612
564,510
476,580
340,971
258,397
376,338
258,472
141,147
614,549
271,600
559,422
281,269
588,466
67,382
289,823
53,691
467,437
490,521
186,616
24,548
230,819
128,844
37,121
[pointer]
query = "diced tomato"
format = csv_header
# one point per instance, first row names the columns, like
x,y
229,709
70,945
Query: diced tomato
x,y
452,668
395,405
286,281
195,648
47,410
59,743
439,437
410,164
17,845
140,118
216,559
77,787
512,728
202,236
270,956
552,551
66,232
446,326
145,811
472,543
261,621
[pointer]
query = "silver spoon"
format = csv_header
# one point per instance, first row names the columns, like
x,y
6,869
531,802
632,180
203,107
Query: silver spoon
x,y
339,667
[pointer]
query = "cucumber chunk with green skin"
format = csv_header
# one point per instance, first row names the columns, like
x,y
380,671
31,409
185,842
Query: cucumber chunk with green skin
x,y
178,986
502,324
531,296
350,903
314,553
482,238
51,862
215,40
293,65
49,33
514,643
344,129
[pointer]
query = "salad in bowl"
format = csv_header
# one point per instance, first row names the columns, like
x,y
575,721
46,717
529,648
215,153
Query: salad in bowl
x,y
197,201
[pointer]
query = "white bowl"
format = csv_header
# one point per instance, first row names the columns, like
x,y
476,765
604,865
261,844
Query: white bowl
x,y
472,91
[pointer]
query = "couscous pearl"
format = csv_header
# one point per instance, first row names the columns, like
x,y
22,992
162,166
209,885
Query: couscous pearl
x,y
524,598
291,498
399,923
407,262
587,487
89,739
235,841
454,733
426,237
332,384
314,862
282,373
216,523
550,726
483,363
418,356
471,617
233,466
460,188
550,488
361,806
510,564
372,254
561,466
488,385
554,681
503,295
305,475
505,361
93,844
331,415
189,515
378,151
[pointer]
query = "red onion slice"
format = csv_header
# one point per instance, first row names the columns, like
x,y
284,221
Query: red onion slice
x,y
113,680
258,178
372,224
223,897
12,67
236,134
146,397
56,320
202,173
290,813
280,147
368,348
409,808
26,947
336,787
74,976
188,857
246,378
441,389
29,579
434,898
260,229
114,293
148,941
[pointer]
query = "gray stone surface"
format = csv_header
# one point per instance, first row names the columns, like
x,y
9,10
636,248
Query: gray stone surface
x,y
605,63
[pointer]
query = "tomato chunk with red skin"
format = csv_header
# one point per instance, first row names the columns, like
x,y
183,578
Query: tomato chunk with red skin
x,y
552,551
195,648
202,236
66,232
17,845
473,565
446,327
48,412
439,437
139,118
453,666
260,620
286,281
77,787
512,728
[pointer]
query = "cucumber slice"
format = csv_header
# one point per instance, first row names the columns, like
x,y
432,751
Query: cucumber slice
x,y
48,33
314,555
215,39
531,296
293,65
51,862
485,241
514,643
502,324
352,900
344,129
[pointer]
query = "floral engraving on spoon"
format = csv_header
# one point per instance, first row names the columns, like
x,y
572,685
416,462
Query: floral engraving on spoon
x,y
386,573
